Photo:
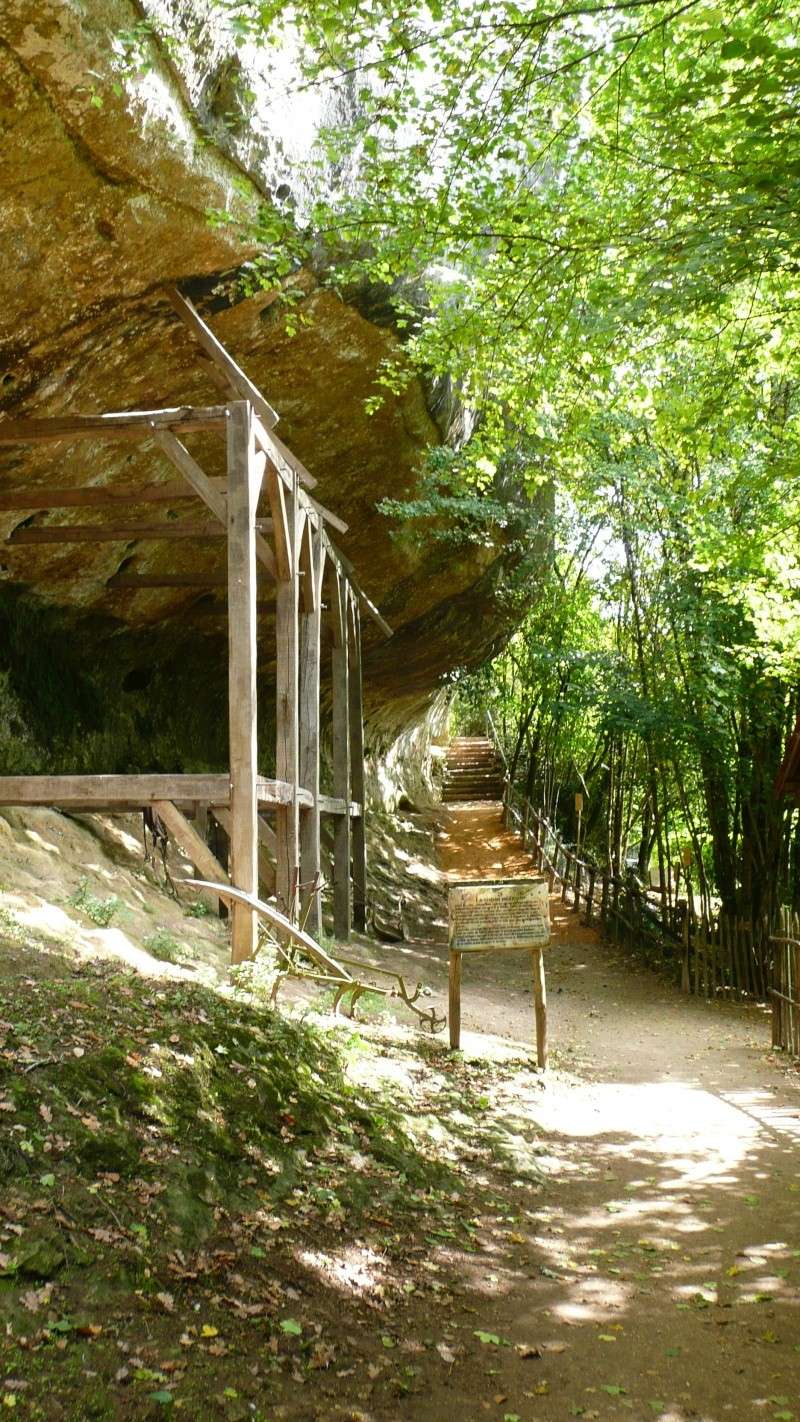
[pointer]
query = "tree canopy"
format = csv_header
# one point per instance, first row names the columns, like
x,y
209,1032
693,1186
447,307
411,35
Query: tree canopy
x,y
585,216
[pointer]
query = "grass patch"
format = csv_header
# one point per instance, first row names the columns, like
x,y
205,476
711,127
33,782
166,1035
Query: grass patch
x,y
100,911
162,945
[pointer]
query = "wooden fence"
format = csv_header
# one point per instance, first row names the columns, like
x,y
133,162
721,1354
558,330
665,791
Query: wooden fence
x,y
717,957
786,984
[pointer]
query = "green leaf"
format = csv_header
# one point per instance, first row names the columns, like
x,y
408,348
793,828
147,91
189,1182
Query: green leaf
x,y
290,1325
163,1397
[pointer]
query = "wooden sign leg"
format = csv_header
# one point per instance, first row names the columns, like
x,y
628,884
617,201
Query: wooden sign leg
x,y
455,1000
540,1007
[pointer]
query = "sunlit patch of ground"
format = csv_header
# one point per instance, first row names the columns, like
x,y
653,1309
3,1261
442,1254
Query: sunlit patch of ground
x,y
82,884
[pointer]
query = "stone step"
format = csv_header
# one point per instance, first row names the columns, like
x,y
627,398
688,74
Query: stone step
x,y
477,776
484,760
478,766
460,798
474,776
489,768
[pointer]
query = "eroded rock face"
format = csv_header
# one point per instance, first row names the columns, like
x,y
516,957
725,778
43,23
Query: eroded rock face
x,y
106,182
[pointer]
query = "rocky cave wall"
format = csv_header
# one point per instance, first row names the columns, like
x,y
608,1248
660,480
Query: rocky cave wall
x,y
107,180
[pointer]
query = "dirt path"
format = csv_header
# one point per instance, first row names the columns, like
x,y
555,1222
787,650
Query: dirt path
x,y
658,1268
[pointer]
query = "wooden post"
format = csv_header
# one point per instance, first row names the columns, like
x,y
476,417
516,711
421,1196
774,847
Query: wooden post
x,y
244,484
358,827
286,525
686,936
342,899
540,1007
590,894
312,567
454,992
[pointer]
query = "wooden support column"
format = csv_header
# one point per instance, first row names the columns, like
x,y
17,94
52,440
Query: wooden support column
x,y
312,569
287,525
358,828
244,485
342,897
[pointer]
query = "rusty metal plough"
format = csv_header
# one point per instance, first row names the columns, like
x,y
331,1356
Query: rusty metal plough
x,y
330,971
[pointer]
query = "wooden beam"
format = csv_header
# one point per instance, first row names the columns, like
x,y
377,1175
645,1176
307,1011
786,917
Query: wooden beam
x,y
280,792
267,837
117,533
42,498
313,569
266,868
216,501
281,527
243,488
124,424
287,765
326,515
367,605
115,792
282,459
100,496
358,829
310,591
106,789
241,385
342,899
337,805
192,844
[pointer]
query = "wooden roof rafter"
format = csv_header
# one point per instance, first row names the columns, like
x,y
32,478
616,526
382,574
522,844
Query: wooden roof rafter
x,y
290,475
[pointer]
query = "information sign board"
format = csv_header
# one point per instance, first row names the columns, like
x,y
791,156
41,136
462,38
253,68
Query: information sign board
x,y
498,913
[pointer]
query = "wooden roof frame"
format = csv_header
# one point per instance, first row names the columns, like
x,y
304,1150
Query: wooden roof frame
x,y
297,558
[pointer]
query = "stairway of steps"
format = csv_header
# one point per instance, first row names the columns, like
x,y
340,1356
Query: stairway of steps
x,y
473,770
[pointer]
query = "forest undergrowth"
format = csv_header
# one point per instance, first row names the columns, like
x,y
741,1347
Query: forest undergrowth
x,y
205,1208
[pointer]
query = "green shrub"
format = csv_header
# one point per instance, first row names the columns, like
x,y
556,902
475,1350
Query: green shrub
x,y
162,945
100,911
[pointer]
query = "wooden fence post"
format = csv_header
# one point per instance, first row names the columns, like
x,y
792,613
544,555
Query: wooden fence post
x,y
244,486
342,899
590,895
576,887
